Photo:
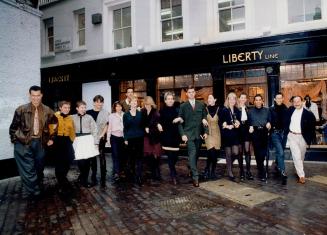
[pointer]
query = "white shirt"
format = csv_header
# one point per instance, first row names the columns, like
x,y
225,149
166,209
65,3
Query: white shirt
x,y
314,109
295,125
244,116
192,102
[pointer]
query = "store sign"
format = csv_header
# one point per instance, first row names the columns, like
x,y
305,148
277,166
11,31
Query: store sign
x,y
62,45
59,79
248,56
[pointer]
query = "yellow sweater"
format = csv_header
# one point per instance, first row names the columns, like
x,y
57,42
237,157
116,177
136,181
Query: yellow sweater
x,y
65,126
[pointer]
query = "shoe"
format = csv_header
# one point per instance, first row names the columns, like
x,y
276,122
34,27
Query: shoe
x,y
206,174
242,177
301,180
196,183
94,183
263,179
231,178
174,181
139,181
249,176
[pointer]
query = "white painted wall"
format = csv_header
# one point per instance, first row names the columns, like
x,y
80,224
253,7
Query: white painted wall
x,y
200,20
19,63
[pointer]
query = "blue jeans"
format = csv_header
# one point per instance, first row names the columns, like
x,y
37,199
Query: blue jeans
x,y
278,142
30,164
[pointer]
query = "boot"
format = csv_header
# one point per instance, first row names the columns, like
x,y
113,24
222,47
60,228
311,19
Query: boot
x,y
240,164
229,168
249,176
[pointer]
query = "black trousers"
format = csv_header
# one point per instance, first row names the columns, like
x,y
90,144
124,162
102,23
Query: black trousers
x,y
64,155
260,147
135,156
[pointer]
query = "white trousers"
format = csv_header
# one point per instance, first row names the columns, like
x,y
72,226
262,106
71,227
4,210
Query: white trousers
x,y
298,148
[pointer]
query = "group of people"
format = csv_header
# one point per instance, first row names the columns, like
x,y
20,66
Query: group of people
x,y
139,136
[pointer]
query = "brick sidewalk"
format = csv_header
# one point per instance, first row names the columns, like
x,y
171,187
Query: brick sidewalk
x,y
161,208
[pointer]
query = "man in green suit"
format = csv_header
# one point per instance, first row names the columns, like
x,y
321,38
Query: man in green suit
x,y
194,116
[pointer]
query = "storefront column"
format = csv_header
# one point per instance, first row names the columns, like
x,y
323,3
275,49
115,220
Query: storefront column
x,y
218,86
272,72
151,88
114,83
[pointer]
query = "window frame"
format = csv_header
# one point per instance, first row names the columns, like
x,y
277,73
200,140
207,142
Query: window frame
x,y
49,22
122,27
231,8
303,13
77,30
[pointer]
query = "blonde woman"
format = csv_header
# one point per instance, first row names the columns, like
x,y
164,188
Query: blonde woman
x,y
133,136
230,123
152,147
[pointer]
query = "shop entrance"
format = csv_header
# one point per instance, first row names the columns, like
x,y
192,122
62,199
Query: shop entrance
x,y
248,81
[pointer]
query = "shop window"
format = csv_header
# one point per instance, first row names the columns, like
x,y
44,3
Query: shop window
x,y
312,81
178,84
303,10
49,36
251,82
122,28
139,88
171,20
79,28
231,15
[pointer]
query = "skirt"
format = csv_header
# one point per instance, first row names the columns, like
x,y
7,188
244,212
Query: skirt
x,y
151,149
84,147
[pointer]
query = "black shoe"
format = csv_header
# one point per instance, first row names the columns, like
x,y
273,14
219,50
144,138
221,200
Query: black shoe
x,y
196,183
249,176
263,179
242,177
231,178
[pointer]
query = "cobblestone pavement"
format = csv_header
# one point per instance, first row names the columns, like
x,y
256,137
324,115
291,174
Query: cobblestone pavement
x,y
161,208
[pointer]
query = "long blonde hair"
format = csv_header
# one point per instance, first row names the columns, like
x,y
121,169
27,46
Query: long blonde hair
x,y
149,100
229,96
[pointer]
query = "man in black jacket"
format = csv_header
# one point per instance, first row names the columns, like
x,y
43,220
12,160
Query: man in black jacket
x,y
278,113
300,131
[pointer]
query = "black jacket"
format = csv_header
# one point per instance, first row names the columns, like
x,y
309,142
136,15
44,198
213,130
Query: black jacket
x,y
308,121
277,123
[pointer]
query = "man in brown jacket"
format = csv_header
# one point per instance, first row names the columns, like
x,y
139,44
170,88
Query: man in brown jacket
x,y
29,132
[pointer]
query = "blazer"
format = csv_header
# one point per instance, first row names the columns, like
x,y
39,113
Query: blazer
x,y
192,126
308,121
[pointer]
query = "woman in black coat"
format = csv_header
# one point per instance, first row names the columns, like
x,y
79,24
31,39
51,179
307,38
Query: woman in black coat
x,y
230,123
170,138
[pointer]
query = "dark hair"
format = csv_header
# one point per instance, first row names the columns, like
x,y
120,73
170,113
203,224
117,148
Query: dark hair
x,y
295,97
34,88
279,93
243,93
258,95
190,87
114,105
80,102
62,103
98,98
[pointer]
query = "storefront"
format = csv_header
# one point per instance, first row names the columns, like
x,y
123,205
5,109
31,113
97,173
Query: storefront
x,y
295,64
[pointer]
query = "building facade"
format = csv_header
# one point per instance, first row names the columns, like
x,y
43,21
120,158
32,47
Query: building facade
x,y
20,68
251,46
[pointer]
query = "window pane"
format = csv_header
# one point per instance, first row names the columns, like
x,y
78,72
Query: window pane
x,y
117,19
237,2
312,10
202,79
118,39
183,81
81,38
81,21
224,4
50,31
238,27
225,20
126,17
166,82
178,29
177,8
51,44
127,37
295,11
165,9
139,85
238,14
166,30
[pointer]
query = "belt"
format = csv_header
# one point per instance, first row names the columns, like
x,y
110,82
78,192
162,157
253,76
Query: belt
x,y
295,133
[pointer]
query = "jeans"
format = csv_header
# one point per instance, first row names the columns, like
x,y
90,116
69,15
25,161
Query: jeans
x,y
278,142
30,164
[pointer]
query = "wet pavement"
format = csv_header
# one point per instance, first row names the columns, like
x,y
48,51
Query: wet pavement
x,y
217,207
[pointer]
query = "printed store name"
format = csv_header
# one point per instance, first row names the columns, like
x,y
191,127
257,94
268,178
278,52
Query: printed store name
x,y
248,56
59,79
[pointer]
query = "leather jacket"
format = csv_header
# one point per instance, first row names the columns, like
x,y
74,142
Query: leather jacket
x,y
21,128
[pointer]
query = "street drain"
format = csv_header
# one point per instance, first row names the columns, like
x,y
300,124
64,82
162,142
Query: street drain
x,y
182,206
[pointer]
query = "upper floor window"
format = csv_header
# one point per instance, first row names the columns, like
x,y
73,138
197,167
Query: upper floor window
x,y
231,15
80,28
171,20
303,10
122,28
49,35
